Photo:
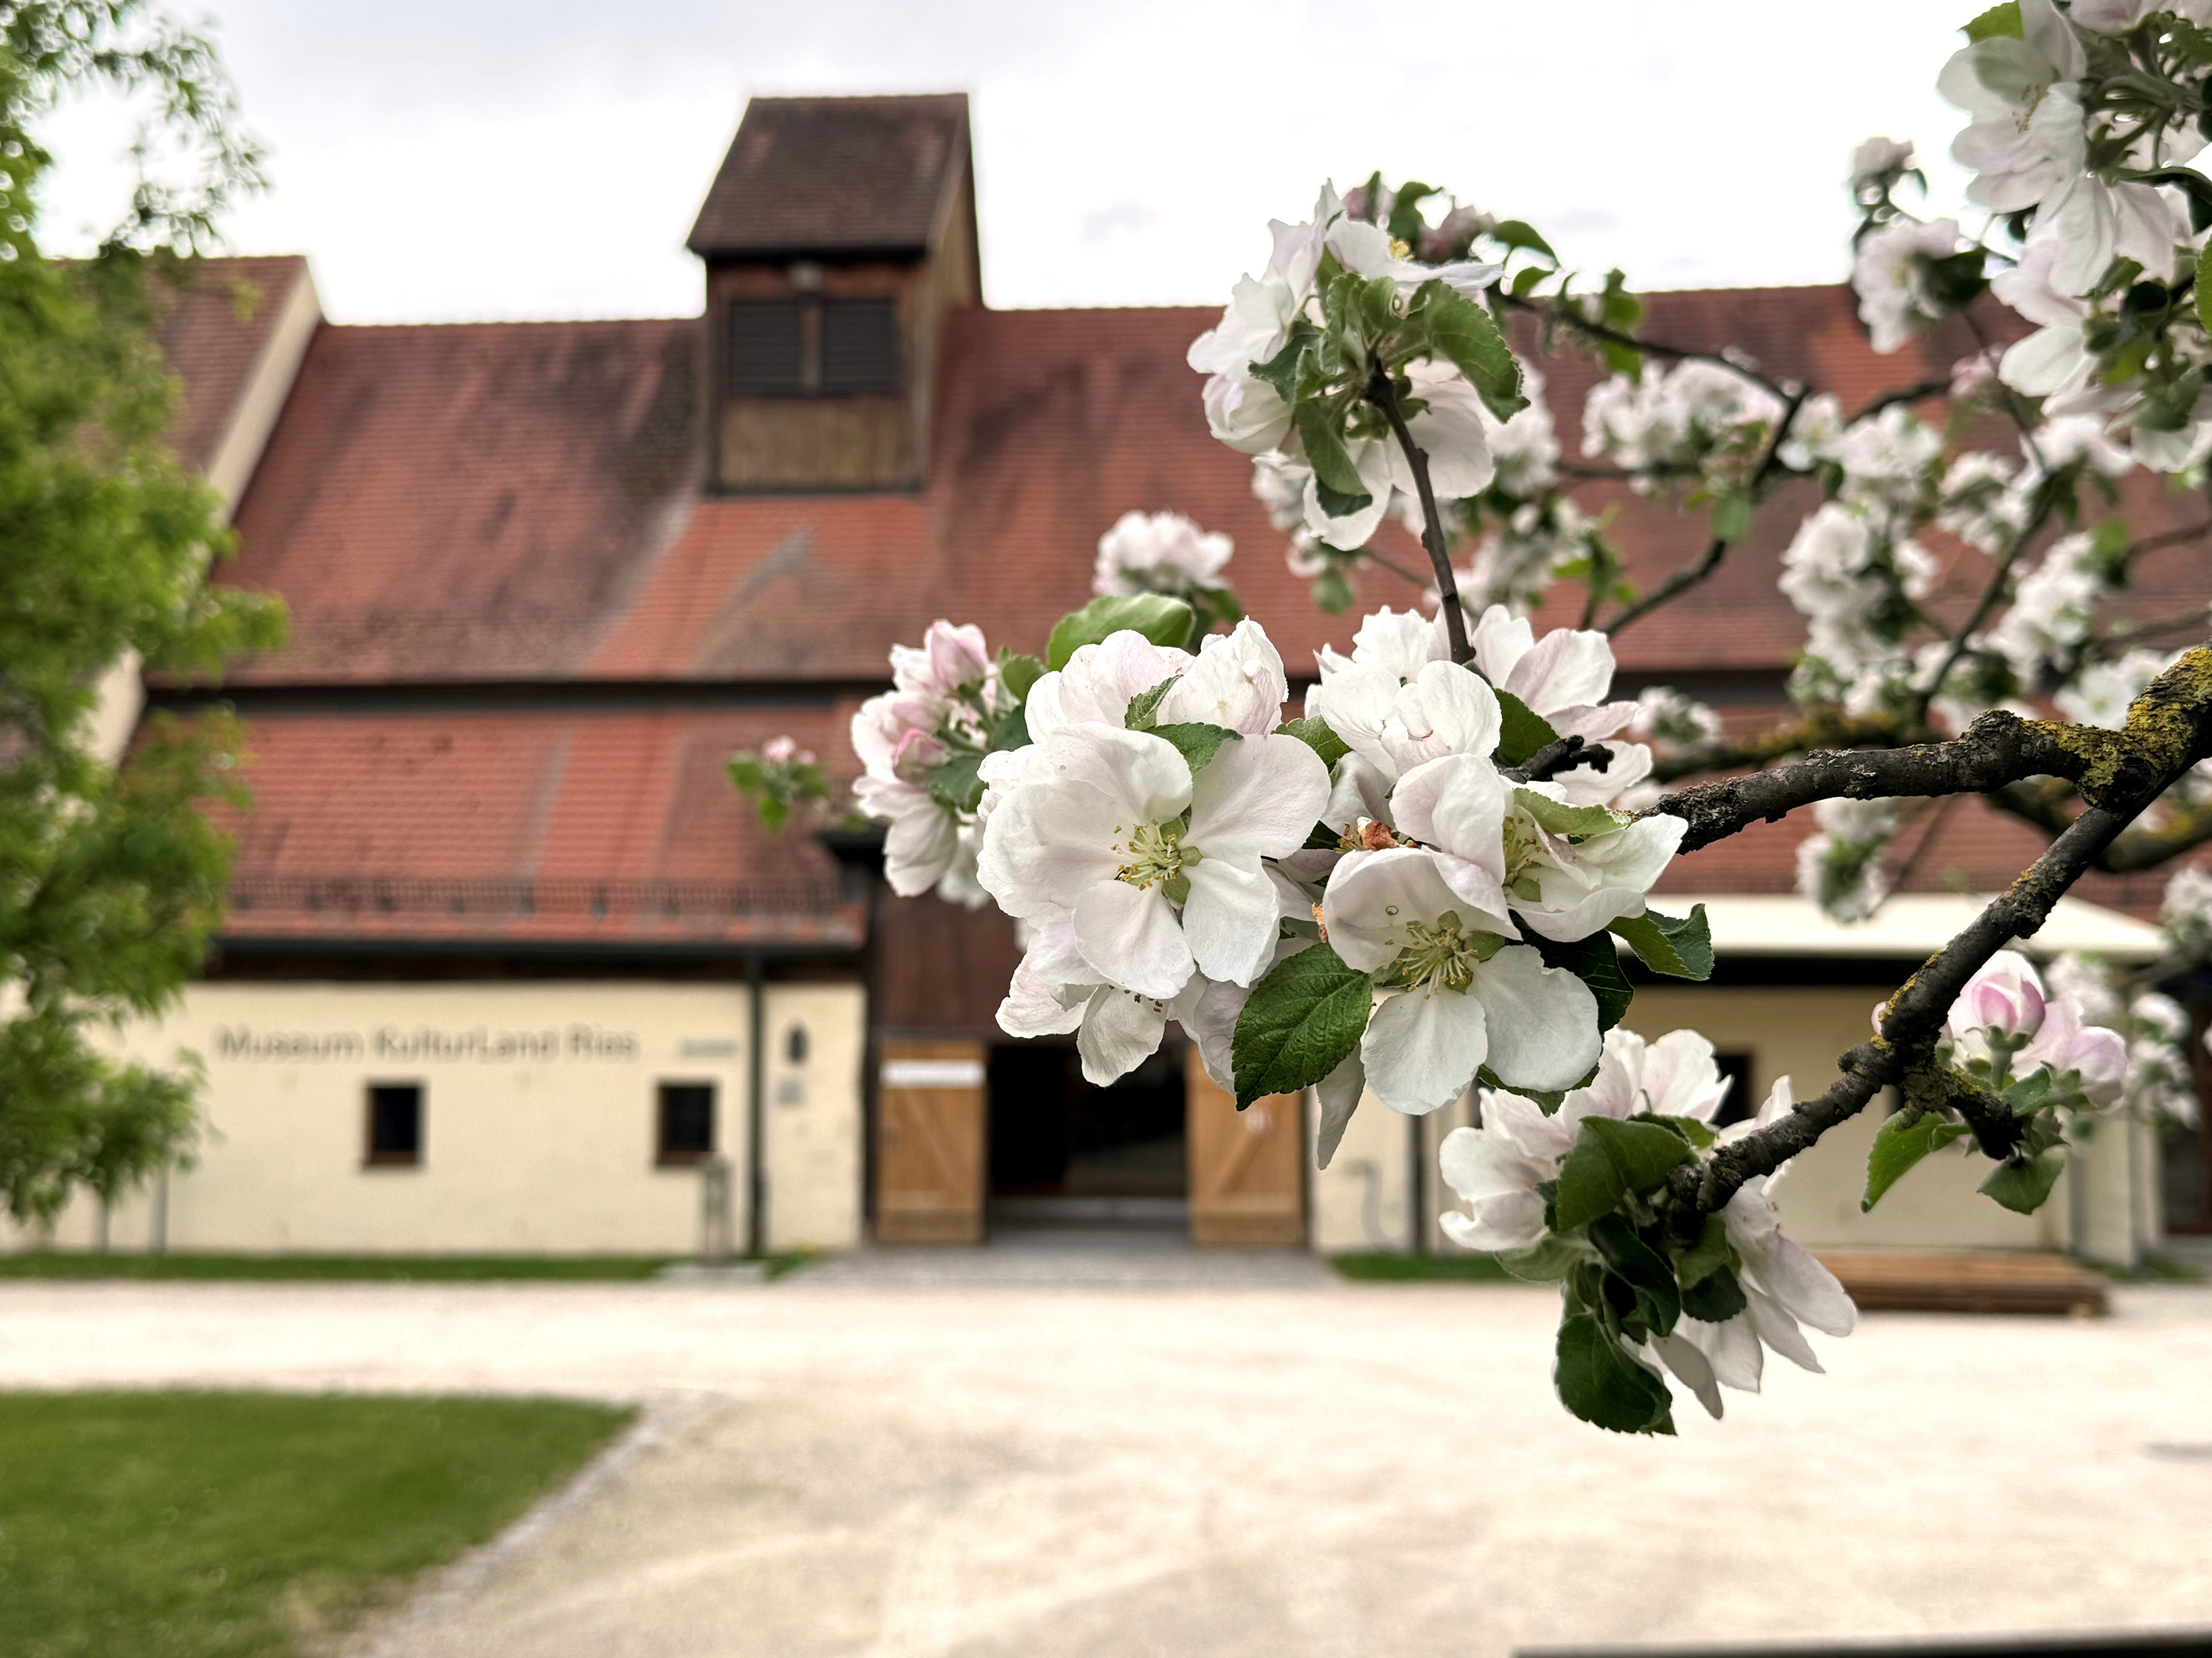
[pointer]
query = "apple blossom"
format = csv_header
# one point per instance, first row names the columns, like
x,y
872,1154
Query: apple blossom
x,y
1463,997
2003,998
1158,553
1891,277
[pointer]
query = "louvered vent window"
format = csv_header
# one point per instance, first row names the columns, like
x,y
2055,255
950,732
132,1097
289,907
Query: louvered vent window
x,y
813,347
767,356
860,346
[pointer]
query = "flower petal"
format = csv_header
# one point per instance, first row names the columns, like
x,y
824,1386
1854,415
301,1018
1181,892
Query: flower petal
x,y
1120,1032
1372,895
1422,1048
1257,797
1130,936
1228,921
1542,1020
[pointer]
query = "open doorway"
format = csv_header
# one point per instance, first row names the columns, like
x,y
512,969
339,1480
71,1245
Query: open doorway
x,y
1066,1153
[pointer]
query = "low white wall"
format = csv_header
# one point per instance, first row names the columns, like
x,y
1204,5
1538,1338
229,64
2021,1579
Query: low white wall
x,y
1360,1201
540,1117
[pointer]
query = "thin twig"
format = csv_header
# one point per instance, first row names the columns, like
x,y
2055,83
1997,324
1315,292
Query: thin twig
x,y
1598,330
1912,393
1384,397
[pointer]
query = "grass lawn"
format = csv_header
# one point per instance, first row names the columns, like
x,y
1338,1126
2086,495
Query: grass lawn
x,y
325,1268
1378,1268
183,1525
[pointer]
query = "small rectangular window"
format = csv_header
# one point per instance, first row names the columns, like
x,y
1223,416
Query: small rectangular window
x,y
767,348
1740,1104
687,1122
860,346
395,1123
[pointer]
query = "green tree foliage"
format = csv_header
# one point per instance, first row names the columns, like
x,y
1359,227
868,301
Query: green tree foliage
x,y
112,878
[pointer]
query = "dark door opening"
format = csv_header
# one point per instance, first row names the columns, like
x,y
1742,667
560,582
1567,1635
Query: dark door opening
x,y
1066,1152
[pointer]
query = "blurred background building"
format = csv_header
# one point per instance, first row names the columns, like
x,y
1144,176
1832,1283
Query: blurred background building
x,y
511,966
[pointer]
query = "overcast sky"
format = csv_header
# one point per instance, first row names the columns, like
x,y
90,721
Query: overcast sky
x,y
445,159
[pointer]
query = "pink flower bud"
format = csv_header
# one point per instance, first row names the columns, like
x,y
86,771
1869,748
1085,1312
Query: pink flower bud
x,y
2005,996
948,658
916,752
2096,1057
777,749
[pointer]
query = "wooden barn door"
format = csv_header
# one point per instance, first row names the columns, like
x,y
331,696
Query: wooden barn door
x,y
1247,1168
931,1143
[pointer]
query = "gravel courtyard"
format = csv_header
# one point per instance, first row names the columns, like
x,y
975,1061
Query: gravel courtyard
x,y
1278,1465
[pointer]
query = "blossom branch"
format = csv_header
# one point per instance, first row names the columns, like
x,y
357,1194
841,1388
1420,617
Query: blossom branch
x,y
1682,580
1565,312
1998,749
1384,396
2169,730
1823,728
1908,394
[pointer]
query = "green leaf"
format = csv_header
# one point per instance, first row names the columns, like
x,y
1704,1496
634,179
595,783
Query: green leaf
x,y
1597,964
1010,730
1282,371
1710,1254
1527,278
1197,742
1680,947
1689,1129
1715,1298
1332,593
1644,1269
1406,223
1303,1021
1561,818
1468,337
1997,20
2204,286
1546,1261
1163,620
1313,730
1897,1144
1731,518
1225,605
1522,730
748,774
954,781
1144,704
1337,484
1018,674
1518,233
1600,1383
1610,1160
2022,1186
2027,1096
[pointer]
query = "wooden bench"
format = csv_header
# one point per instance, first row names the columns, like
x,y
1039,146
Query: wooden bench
x,y
1962,1282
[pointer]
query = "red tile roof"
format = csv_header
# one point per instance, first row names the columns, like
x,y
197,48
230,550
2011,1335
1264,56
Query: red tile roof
x,y
827,175
608,828
212,332
522,502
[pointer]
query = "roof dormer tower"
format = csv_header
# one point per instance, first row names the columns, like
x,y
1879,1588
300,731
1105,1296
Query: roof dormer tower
x,y
837,236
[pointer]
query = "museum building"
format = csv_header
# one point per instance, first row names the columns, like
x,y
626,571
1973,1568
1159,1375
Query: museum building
x,y
510,966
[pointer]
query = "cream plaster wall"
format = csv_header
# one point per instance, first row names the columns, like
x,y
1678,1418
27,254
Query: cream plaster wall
x,y
538,1118
1360,1201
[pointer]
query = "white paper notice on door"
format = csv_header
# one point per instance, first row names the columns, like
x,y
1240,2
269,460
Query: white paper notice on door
x,y
933,1073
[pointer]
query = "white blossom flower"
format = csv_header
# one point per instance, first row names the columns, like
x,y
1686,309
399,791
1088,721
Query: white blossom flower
x,y
1465,997
1501,847
1158,553
1394,725
1890,275
948,660
924,840
1671,420
2053,362
1665,715
2085,1061
1236,683
1521,557
1054,990
1160,870
1564,676
1451,430
1099,682
1878,163
2053,608
1977,503
1525,449
1840,867
1400,642
2101,692
2184,912
2119,16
